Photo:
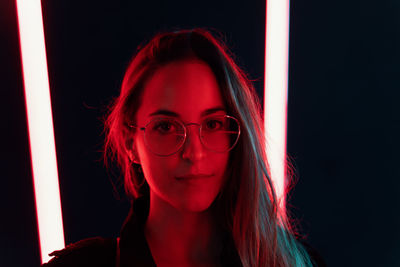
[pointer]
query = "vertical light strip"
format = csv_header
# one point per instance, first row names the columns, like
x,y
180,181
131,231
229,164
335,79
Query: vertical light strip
x,y
276,90
40,127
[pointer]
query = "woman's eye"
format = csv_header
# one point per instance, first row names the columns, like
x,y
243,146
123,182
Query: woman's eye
x,y
213,124
163,127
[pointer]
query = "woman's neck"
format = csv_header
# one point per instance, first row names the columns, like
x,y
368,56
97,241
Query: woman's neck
x,y
179,237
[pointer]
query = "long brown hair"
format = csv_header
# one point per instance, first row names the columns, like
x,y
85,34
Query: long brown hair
x,y
247,204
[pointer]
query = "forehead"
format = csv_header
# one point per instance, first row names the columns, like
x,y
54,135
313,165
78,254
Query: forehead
x,y
185,87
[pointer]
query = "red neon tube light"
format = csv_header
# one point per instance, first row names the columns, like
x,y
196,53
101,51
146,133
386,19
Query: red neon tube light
x,y
276,90
40,127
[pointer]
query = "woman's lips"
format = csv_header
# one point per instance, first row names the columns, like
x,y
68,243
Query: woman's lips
x,y
193,176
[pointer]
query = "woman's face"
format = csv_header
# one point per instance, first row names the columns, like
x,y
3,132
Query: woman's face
x,y
187,88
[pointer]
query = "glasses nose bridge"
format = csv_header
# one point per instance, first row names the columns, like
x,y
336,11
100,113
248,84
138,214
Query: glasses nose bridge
x,y
185,144
191,124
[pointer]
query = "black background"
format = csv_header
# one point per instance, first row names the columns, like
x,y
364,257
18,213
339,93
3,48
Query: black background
x,y
343,117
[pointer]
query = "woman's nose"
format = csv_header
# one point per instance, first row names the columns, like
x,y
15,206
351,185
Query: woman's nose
x,y
193,149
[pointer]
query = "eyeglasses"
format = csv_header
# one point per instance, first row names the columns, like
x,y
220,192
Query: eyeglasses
x,y
165,136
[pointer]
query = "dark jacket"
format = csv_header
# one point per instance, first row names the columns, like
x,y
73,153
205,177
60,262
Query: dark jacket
x,y
131,249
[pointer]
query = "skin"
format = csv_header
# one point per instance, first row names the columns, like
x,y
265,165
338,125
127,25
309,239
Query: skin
x,y
180,229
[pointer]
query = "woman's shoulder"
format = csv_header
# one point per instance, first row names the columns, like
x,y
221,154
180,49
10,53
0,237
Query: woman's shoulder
x,y
96,251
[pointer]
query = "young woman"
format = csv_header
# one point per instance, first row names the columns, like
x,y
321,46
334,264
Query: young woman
x,y
187,132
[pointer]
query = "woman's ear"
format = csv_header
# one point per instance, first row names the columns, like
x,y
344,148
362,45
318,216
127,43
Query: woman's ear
x,y
132,154
131,150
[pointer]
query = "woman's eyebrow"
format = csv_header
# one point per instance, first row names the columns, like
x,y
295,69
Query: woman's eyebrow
x,y
174,114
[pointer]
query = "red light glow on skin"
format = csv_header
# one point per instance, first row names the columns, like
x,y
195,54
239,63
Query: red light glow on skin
x,y
168,89
276,90
182,185
40,127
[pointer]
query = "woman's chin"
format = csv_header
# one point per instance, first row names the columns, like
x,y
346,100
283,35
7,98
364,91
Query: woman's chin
x,y
195,204
186,201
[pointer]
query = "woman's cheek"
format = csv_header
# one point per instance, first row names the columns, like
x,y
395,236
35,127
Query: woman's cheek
x,y
158,173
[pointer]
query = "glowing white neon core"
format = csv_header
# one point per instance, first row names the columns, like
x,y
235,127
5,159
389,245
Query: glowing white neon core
x,y
276,86
40,125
